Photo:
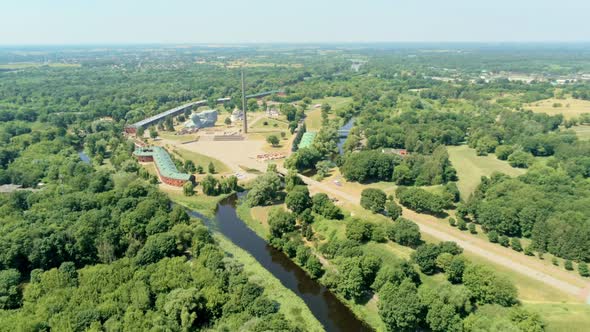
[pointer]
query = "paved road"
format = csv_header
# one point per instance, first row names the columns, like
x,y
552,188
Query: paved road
x,y
559,279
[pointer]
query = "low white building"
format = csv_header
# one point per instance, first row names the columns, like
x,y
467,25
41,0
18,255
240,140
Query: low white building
x,y
237,115
272,113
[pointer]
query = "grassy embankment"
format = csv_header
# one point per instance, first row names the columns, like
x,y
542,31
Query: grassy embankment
x,y
291,305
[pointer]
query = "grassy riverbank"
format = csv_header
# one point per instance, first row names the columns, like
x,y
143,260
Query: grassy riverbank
x,y
291,305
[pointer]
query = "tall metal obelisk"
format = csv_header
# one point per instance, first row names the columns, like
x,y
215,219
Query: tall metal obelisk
x,y
244,103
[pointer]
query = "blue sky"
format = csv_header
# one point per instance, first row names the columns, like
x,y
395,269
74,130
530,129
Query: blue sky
x,y
231,21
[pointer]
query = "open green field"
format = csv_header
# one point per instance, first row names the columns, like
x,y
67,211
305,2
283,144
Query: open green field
x,y
271,125
570,107
203,160
313,121
583,132
291,305
562,317
471,167
201,203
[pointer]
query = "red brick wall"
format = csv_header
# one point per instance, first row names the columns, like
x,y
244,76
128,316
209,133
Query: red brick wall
x,y
170,181
145,159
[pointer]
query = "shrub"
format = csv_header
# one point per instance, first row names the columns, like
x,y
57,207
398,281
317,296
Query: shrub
x,y
520,159
462,225
504,240
322,205
298,199
373,199
555,261
504,151
425,256
188,188
515,244
472,228
379,234
452,222
568,265
583,269
302,254
493,236
314,267
358,230
405,232
393,210
529,251
488,288
280,222
420,200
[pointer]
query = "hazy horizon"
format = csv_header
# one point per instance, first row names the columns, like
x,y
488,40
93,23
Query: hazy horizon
x,y
70,22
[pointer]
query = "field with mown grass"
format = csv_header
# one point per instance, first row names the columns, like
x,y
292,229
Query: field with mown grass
x,y
471,167
313,120
569,107
201,159
583,132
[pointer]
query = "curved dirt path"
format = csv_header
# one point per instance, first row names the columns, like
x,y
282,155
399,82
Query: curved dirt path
x,y
505,257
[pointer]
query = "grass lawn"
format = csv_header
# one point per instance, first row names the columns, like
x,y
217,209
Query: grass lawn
x,y
256,218
313,121
570,107
272,125
470,167
562,317
583,132
291,305
336,102
171,135
201,159
199,202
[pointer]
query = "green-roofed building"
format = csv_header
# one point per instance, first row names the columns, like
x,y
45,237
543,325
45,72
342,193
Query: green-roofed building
x,y
166,168
307,139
